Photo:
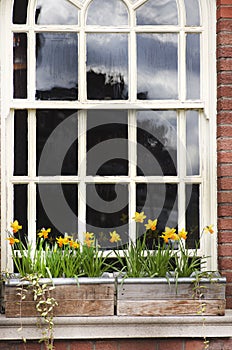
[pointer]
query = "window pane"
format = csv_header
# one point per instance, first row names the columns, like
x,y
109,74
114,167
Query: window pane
x,y
107,143
107,66
193,66
157,143
20,65
192,13
20,142
107,210
20,208
56,142
20,11
157,12
106,13
157,66
56,12
192,142
158,201
56,66
192,214
56,206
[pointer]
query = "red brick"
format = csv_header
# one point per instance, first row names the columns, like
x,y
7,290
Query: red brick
x,y
225,197
224,224
225,263
228,276
224,24
225,210
106,345
224,12
194,345
224,103
228,289
166,344
225,183
225,249
225,90
225,237
223,2
81,345
61,345
224,64
138,344
229,306
224,144
224,169
216,344
225,51
224,157
224,117
227,344
224,78
224,130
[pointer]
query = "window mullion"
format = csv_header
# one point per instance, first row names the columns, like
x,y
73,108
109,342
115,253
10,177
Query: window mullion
x,y
132,156
181,167
82,164
31,65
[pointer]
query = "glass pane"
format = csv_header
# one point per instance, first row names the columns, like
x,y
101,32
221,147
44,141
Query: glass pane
x,y
158,201
107,211
20,11
56,142
56,12
107,143
56,66
192,214
192,13
20,142
193,66
20,65
192,143
56,206
107,66
157,143
107,13
157,66
20,208
157,12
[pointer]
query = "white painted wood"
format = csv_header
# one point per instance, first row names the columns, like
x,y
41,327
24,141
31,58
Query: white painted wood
x,y
206,107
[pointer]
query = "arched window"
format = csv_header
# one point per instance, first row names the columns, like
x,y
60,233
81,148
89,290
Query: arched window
x,y
108,107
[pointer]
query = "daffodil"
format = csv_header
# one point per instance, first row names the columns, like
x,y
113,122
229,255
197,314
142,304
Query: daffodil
x,y
15,226
182,234
151,225
115,237
60,241
139,217
169,233
44,233
209,229
73,244
89,239
12,240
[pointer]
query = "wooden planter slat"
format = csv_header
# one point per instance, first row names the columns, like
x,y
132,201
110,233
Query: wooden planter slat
x,y
73,300
156,297
170,307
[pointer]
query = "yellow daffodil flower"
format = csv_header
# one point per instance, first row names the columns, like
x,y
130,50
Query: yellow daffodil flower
x,y
73,244
13,240
151,225
182,234
15,226
169,233
115,237
209,229
139,217
60,241
89,238
44,233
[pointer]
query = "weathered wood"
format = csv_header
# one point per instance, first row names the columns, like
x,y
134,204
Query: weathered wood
x,y
170,307
155,297
170,291
73,300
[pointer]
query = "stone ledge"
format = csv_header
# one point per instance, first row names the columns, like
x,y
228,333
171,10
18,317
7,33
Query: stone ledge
x,y
112,327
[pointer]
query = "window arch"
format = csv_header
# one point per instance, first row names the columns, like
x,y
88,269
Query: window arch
x,y
108,114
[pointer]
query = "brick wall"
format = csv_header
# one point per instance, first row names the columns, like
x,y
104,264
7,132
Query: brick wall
x,y
135,344
224,141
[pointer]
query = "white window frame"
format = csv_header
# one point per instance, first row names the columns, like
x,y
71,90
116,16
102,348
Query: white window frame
x,y
206,106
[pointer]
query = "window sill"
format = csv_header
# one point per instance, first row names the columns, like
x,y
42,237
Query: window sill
x,y
112,327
